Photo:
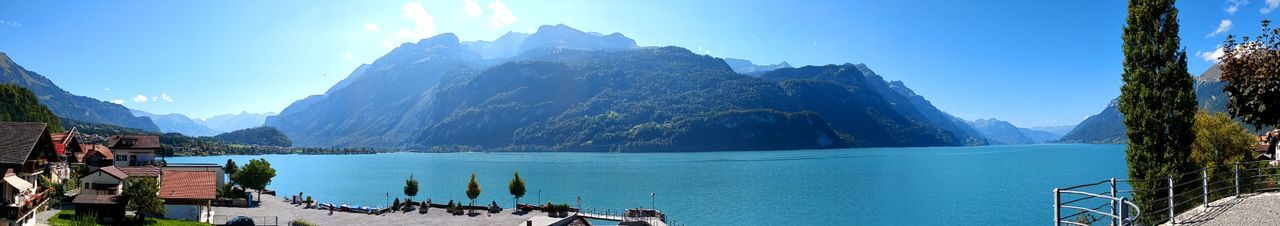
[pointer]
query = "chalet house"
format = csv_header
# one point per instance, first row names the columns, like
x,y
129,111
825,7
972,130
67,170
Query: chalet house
x,y
188,195
66,145
134,150
199,167
98,194
25,152
96,155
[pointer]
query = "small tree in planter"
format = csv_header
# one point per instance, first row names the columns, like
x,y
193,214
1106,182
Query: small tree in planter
x,y
309,201
396,204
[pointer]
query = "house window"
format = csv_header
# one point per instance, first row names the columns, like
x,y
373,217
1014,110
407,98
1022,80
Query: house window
x,y
122,158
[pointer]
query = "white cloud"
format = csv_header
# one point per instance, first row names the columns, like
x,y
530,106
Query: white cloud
x,y
117,101
388,45
1211,56
10,23
166,97
1271,5
348,56
502,16
1234,5
472,8
424,23
139,99
1222,27
372,27
705,51
106,89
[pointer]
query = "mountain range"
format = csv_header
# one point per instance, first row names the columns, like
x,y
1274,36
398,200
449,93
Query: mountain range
x,y
67,105
1002,132
561,89
1107,127
179,123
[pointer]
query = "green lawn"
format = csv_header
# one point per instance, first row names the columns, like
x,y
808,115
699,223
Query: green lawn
x,y
67,218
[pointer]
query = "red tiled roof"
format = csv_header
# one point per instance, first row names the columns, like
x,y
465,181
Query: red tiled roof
x,y
189,185
113,171
93,198
141,171
60,148
102,150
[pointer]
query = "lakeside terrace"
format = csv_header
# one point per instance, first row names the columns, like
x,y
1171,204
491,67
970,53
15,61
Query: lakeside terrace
x,y
1244,193
283,212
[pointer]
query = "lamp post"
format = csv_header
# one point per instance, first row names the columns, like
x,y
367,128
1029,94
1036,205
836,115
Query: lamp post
x,y
539,196
652,202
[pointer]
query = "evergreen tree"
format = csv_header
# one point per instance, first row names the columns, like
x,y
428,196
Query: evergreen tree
x,y
516,188
1157,100
411,187
231,167
473,189
18,104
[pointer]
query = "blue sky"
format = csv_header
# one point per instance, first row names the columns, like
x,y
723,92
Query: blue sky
x,y
1033,63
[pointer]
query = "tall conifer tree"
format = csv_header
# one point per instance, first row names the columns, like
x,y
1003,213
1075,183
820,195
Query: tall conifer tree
x,y
1157,100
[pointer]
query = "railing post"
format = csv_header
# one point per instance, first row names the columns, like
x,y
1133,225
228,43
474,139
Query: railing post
x,y
1114,211
1057,206
1172,217
1123,213
1204,185
1237,172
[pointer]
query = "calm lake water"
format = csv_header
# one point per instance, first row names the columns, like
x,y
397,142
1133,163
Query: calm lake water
x,y
991,185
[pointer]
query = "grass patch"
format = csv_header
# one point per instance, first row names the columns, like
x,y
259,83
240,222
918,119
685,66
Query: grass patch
x,y
68,218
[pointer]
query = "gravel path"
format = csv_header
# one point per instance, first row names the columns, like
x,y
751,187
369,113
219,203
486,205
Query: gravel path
x,y
273,206
1255,209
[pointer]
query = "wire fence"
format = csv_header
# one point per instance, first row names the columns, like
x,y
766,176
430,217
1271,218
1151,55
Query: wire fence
x,y
1110,202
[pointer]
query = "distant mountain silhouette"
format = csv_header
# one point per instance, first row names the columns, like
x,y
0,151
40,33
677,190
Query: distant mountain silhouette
x,y
233,122
68,105
748,68
177,123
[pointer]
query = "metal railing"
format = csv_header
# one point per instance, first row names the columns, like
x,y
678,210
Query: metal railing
x,y
257,220
1110,201
625,216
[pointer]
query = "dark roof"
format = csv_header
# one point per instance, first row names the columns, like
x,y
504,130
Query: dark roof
x,y
139,142
177,184
94,198
17,139
141,171
113,171
100,150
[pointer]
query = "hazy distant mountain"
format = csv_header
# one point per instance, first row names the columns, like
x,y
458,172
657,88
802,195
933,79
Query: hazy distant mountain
x,y
177,123
1059,130
748,68
506,46
68,105
233,122
568,90
1108,126
1040,136
564,37
1001,132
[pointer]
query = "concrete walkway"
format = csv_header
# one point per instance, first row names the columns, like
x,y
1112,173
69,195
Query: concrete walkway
x,y
273,206
1252,209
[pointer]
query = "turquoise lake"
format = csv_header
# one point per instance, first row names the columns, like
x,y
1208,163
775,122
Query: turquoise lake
x,y
989,185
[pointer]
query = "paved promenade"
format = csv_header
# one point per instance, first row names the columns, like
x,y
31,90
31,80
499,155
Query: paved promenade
x,y
1253,209
273,206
